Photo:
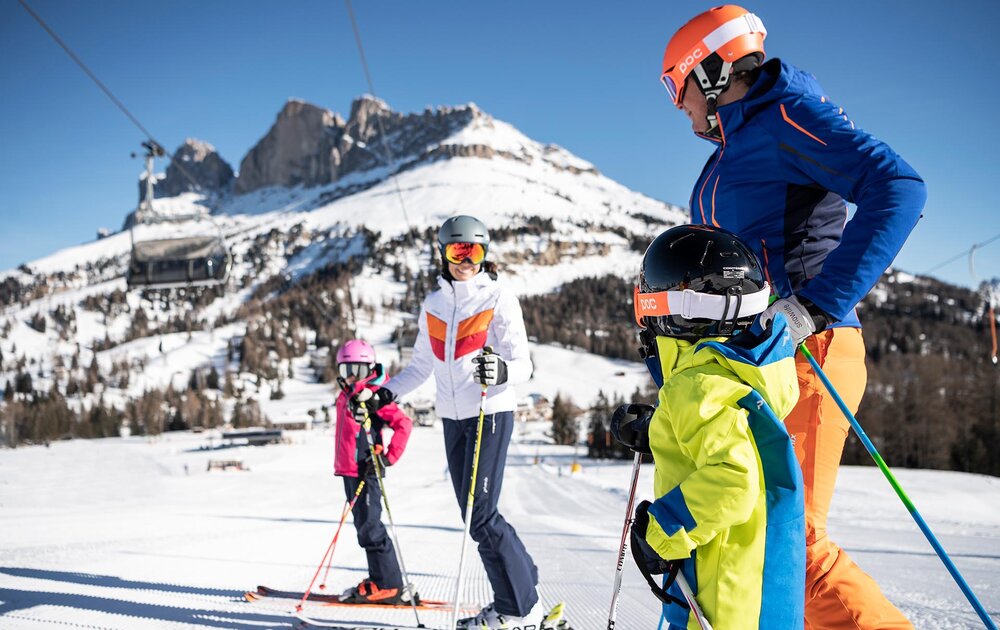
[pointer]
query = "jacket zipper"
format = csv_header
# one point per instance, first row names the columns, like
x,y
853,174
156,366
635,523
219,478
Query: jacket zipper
x,y
450,347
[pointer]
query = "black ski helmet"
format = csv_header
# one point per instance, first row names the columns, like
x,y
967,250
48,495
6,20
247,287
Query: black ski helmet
x,y
699,281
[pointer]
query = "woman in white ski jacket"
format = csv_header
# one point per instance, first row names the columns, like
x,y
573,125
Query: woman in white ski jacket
x,y
470,310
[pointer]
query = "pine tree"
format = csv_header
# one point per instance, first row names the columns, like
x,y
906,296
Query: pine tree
x,y
564,427
212,382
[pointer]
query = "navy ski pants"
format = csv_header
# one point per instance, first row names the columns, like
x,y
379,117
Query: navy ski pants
x,y
383,567
512,573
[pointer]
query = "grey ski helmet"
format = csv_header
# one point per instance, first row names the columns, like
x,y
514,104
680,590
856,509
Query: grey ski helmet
x,y
463,229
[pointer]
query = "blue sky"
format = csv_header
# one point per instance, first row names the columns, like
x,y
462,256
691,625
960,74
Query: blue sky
x,y
584,75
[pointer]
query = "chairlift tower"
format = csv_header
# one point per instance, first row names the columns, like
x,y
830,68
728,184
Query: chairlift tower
x,y
145,210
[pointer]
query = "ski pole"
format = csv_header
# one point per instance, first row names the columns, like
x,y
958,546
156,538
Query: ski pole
x,y
699,615
469,501
348,506
366,425
921,523
408,587
629,519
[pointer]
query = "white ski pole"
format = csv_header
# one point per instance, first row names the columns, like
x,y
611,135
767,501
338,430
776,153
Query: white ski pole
x,y
703,622
468,503
629,519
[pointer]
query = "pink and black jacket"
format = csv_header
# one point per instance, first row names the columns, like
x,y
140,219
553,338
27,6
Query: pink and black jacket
x,y
345,462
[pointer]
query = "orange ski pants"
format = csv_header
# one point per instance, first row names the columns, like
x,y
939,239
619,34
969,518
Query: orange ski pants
x,y
839,595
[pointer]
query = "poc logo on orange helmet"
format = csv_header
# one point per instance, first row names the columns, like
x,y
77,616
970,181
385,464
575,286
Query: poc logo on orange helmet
x,y
647,304
691,60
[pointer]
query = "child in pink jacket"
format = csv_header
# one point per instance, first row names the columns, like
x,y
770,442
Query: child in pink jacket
x,y
353,461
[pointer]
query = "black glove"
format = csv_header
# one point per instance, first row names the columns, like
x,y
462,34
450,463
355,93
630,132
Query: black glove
x,y
490,370
373,400
364,456
649,562
630,426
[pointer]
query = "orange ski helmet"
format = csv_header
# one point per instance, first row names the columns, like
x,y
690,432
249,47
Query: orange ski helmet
x,y
729,31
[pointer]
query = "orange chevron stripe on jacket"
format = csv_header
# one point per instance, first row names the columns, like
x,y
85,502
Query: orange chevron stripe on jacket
x,y
437,330
472,333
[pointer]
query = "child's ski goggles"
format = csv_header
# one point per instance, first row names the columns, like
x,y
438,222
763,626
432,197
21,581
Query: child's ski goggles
x,y
693,305
357,370
457,253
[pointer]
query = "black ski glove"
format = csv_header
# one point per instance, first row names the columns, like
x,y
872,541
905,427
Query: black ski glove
x,y
630,426
654,564
373,400
490,370
649,562
365,460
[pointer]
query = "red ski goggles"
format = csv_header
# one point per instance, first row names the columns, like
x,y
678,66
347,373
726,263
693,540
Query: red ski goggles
x,y
457,253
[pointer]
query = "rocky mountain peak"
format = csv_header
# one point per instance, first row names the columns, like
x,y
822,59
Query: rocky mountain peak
x,y
312,146
299,149
196,165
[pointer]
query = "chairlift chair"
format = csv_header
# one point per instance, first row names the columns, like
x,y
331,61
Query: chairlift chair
x,y
169,263
197,260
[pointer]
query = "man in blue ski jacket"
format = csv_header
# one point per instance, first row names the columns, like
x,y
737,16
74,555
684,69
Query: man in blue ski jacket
x,y
786,163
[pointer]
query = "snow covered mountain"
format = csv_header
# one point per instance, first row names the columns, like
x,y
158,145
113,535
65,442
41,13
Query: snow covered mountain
x,y
331,223
345,207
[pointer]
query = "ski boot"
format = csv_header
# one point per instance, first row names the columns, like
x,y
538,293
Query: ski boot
x,y
489,619
368,592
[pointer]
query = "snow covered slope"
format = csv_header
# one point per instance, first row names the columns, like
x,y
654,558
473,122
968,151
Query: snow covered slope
x,y
135,533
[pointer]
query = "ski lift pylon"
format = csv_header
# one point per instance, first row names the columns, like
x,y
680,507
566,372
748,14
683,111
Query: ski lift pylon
x,y
988,288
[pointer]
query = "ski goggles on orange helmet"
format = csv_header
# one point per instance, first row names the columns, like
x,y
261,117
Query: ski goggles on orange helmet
x,y
357,370
729,31
457,253
676,95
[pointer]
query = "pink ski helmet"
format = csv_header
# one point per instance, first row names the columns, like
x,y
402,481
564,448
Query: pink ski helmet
x,y
356,351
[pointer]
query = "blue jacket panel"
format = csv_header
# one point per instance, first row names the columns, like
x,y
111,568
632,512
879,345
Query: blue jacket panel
x,y
788,161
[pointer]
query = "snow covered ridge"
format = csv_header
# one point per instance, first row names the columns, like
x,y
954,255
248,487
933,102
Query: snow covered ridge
x,y
311,146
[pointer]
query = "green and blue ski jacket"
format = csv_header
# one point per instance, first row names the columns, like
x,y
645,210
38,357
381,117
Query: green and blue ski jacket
x,y
728,485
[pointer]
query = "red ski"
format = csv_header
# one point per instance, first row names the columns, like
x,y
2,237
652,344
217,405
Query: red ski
x,y
263,592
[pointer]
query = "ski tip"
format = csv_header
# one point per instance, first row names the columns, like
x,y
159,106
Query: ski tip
x,y
250,596
554,620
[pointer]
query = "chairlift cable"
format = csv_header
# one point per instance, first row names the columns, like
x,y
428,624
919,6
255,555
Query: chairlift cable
x,y
389,158
107,92
963,253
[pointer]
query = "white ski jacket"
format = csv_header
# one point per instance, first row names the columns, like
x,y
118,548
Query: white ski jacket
x,y
455,323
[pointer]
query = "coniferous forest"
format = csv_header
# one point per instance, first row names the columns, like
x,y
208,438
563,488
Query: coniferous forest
x,y
931,400
932,395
